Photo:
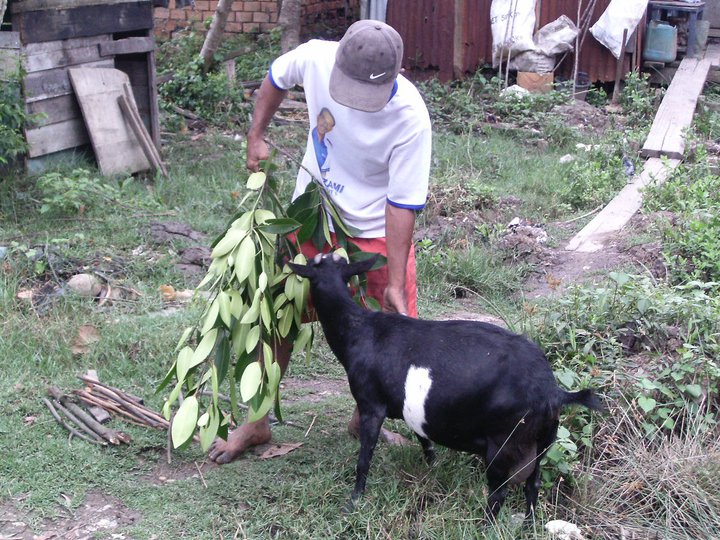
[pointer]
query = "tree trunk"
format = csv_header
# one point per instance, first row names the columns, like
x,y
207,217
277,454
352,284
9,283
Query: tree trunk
x,y
214,35
289,23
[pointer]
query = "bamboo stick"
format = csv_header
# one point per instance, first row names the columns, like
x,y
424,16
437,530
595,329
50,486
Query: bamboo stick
x,y
73,431
110,435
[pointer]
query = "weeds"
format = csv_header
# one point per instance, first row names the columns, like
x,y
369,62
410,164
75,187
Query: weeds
x,y
12,119
692,241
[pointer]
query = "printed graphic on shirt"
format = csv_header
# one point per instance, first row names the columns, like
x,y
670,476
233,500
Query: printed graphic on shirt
x,y
323,146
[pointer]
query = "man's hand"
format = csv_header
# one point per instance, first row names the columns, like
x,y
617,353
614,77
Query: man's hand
x,y
394,300
268,101
257,151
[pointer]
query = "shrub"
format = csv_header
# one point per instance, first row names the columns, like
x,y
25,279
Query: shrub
x,y
12,120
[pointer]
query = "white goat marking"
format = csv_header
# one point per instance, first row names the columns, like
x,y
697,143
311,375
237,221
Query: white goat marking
x,y
417,388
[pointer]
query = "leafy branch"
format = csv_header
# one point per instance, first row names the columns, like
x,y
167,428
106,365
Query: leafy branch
x,y
255,302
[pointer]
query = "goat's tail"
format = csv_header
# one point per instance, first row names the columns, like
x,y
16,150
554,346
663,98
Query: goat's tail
x,y
586,398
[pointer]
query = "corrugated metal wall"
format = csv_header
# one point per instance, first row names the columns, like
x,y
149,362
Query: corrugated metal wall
x,y
431,41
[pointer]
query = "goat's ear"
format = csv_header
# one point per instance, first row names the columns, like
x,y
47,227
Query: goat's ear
x,y
302,270
359,267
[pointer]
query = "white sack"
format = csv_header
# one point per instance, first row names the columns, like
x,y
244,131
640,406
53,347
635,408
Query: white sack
x,y
619,15
512,23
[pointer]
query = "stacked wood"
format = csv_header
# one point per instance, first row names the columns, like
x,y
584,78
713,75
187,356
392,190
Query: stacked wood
x,y
57,35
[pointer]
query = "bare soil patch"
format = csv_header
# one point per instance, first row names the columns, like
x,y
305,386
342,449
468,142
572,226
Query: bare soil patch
x,y
100,515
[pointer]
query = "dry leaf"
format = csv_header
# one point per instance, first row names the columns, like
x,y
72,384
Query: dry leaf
x,y
277,450
86,336
29,420
168,292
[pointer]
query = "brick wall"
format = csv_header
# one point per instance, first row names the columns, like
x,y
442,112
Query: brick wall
x,y
326,18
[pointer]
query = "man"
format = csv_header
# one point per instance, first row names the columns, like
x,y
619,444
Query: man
x,y
376,142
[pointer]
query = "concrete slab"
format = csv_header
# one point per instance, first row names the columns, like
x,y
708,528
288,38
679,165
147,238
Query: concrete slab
x,y
618,212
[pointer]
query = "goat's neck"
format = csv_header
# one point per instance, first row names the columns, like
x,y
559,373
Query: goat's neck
x,y
341,319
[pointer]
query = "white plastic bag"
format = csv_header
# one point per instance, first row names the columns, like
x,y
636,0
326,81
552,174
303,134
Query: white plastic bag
x,y
512,23
557,36
619,15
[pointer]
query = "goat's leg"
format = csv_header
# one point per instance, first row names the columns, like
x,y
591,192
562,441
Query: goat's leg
x,y
369,430
497,492
532,484
428,449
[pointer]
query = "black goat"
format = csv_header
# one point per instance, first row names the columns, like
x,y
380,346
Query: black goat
x,y
467,385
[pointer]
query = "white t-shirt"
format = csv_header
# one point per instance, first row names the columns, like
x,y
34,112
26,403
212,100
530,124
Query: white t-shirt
x,y
366,159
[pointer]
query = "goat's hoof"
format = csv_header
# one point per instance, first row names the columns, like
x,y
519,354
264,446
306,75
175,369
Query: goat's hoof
x,y
349,507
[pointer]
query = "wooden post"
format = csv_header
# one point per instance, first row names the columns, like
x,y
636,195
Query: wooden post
x,y
618,69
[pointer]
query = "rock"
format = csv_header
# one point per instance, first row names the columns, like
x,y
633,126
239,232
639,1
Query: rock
x,y
567,158
85,285
563,530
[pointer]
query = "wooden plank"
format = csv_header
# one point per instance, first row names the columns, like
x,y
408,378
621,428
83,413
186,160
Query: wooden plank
x,y
9,40
54,110
54,82
129,45
675,114
54,24
9,54
62,53
116,147
618,212
39,5
55,137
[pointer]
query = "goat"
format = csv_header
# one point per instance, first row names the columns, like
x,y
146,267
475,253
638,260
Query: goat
x,y
467,385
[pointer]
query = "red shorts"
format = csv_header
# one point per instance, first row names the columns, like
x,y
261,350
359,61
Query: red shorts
x,y
377,279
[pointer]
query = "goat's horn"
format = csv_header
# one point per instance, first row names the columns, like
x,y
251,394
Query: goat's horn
x,y
317,258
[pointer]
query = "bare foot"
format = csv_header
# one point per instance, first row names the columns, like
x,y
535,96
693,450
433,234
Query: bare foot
x,y
386,435
239,440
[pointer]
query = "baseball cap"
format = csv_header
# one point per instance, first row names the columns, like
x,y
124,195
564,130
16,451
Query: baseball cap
x,y
367,61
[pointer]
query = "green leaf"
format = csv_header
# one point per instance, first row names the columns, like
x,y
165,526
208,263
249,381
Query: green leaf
x,y
245,259
253,338
251,315
286,323
263,409
184,363
209,431
222,357
309,224
274,374
223,300
304,337
231,239
265,314
262,215
695,390
184,422
280,225
647,404
185,336
262,281
256,180
210,317
642,305
206,345
250,381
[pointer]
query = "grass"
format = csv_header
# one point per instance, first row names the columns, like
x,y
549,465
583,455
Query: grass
x,y
484,178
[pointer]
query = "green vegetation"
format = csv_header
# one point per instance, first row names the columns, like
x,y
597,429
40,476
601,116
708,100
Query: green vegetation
x,y
12,119
649,342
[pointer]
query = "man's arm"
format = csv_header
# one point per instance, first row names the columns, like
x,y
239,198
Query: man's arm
x,y
399,226
268,101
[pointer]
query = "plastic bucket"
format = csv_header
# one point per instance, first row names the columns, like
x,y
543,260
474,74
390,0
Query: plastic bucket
x,y
582,85
660,42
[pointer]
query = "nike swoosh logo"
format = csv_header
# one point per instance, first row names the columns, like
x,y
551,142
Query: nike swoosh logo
x,y
373,76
